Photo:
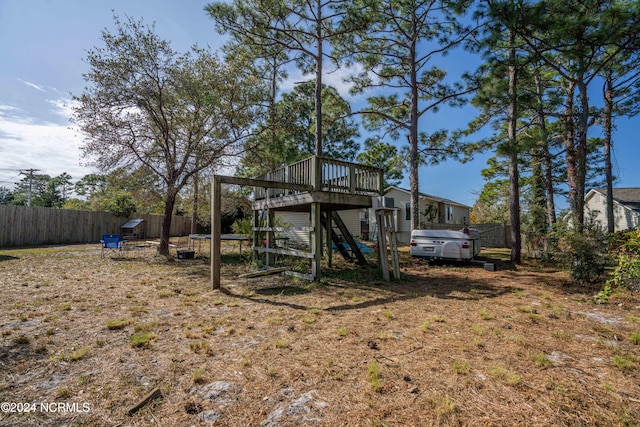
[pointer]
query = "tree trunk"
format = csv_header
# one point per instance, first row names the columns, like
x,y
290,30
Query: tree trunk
x,y
413,141
318,93
165,233
608,126
547,161
194,213
570,150
581,153
514,185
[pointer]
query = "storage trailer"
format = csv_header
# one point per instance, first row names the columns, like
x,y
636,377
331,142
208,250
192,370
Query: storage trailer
x,y
446,245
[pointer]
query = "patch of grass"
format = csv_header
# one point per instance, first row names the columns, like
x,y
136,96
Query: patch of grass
x,y
343,332
445,405
65,307
634,337
388,315
63,393
460,367
281,343
540,359
622,362
142,339
373,375
562,335
438,318
518,292
425,326
486,314
535,317
385,335
503,375
78,354
114,325
525,309
138,309
310,318
478,330
632,319
145,326
199,377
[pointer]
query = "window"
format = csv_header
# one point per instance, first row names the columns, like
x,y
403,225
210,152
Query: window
x,y
449,213
407,211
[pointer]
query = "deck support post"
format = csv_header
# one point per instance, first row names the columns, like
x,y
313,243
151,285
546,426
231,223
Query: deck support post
x,y
316,240
329,239
216,215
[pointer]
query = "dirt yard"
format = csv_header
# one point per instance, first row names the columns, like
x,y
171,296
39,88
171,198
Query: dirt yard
x,y
83,339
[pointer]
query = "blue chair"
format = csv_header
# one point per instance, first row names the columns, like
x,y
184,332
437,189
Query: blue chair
x,y
113,242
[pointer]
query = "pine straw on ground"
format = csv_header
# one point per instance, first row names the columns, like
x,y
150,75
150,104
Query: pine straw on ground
x,y
446,345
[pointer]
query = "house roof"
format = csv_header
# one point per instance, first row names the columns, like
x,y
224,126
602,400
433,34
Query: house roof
x,y
627,197
429,196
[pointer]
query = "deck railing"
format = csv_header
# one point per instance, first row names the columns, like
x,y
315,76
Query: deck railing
x,y
324,174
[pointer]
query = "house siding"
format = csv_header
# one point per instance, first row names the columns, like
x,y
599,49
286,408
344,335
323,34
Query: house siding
x,y
351,219
402,200
456,215
596,210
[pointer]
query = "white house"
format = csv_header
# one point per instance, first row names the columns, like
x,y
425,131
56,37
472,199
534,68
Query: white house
x,y
626,207
361,222
432,210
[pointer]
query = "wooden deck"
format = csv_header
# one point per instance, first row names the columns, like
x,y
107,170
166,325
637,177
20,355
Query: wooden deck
x,y
335,185
317,185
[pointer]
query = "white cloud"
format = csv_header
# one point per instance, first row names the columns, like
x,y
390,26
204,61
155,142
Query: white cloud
x,y
336,78
26,143
62,107
32,85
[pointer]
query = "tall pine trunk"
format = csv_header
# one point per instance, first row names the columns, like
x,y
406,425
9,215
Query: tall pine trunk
x,y
608,127
514,185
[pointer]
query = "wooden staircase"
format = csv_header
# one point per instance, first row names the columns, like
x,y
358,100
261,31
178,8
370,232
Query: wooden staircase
x,y
339,239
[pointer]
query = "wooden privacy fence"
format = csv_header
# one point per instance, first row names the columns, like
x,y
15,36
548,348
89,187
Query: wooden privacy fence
x,y
25,226
491,235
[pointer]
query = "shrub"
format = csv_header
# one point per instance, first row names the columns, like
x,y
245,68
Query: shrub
x,y
627,271
583,253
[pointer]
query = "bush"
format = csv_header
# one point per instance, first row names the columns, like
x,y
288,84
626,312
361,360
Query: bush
x,y
583,253
627,271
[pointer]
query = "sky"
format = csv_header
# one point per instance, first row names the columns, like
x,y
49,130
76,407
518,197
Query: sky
x,y
43,46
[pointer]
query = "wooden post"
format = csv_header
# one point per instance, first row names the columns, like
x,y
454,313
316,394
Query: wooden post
x,y
382,244
329,239
316,240
270,237
316,174
352,179
216,216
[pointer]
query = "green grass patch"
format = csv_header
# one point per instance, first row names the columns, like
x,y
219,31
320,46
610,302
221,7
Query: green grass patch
x,y
486,314
622,362
460,367
142,339
115,325
540,359
373,375
78,354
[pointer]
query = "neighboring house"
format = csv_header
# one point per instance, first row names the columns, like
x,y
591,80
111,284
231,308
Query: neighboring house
x,y
432,210
361,222
626,207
